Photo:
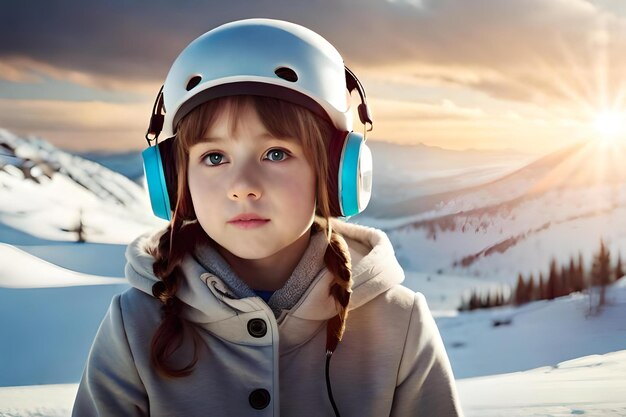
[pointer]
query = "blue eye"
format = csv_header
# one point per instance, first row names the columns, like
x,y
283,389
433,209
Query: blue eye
x,y
276,155
214,158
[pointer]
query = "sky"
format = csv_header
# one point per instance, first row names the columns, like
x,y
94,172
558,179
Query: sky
x,y
528,75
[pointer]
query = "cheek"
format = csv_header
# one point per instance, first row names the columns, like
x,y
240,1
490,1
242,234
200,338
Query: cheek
x,y
193,184
201,189
299,189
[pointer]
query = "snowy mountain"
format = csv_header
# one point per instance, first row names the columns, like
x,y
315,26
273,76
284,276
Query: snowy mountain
x,y
404,173
45,193
556,206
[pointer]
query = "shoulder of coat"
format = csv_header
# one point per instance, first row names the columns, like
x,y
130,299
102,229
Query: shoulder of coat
x,y
398,299
139,308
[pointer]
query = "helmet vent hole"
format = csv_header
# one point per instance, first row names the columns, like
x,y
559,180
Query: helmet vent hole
x,y
286,74
193,81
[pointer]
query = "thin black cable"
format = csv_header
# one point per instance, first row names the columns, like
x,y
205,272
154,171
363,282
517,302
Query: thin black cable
x,y
330,391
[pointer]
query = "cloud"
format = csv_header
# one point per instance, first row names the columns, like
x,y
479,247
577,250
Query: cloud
x,y
77,124
139,39
492,46
21,69
84,116
446,110
546,54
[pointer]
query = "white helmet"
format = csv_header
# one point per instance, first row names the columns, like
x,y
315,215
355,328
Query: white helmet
x,y
261,57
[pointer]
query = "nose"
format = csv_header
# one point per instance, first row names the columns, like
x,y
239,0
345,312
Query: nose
x,y
245,185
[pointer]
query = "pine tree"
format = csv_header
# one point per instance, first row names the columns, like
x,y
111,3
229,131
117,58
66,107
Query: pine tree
x,y
553,281
535,294
565,281
576,277
488,300
601,271
580,274
530,290
473,303
79,229
543,292
520,291
572,276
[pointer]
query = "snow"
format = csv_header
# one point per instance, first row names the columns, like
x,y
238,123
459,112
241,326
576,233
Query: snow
x,y
593,385
554,358
518,223
28,271
44,192
541,333
54,400
589,386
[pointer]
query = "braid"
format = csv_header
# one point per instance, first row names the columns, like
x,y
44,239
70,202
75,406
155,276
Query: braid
x,y
169,336
337,259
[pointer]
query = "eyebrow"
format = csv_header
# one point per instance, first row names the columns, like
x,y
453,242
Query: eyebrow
x,y
265,136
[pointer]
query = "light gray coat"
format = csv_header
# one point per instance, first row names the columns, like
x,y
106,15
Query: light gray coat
x,y
391,361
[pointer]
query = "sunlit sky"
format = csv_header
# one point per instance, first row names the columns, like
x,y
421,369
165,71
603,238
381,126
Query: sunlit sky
x,y
529,75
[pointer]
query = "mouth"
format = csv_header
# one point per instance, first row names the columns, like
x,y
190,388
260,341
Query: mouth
x,y
249,224
248,221
247,217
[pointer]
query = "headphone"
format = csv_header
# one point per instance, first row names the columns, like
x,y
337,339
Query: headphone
x,y
350,177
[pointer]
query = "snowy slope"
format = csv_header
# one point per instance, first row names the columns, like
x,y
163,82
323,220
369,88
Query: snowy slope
x,y
405,173
44,192
557,206
51,315
539,334
28,271
591,386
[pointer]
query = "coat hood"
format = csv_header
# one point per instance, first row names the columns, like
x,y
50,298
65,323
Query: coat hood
x,y
374,271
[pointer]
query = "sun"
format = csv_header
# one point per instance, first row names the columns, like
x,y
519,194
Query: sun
x,y
609,124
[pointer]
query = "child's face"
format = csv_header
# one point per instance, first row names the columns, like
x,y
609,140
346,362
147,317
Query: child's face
x,y
246,172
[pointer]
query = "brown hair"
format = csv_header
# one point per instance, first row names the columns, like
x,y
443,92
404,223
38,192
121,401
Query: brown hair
x,y
281,119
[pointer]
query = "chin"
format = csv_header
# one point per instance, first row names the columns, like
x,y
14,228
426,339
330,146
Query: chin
x,y
249,251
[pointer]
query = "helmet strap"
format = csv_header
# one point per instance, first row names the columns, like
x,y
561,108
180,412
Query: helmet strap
x,y
353,83
156,119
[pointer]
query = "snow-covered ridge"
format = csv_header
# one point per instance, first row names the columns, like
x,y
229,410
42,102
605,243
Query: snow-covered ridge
x,y
29,271
556,206
47,192
404,174
37,159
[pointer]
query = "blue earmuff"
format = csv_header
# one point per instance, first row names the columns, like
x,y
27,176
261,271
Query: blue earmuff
x,y
355,175
155,180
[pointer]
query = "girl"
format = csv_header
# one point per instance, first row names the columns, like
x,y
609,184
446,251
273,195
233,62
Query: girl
x,y
239,304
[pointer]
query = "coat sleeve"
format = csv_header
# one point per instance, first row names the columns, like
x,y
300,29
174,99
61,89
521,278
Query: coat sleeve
x,y
110,385
425,385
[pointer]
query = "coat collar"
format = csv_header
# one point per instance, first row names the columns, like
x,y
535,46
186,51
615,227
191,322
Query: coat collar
x,y
209,302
